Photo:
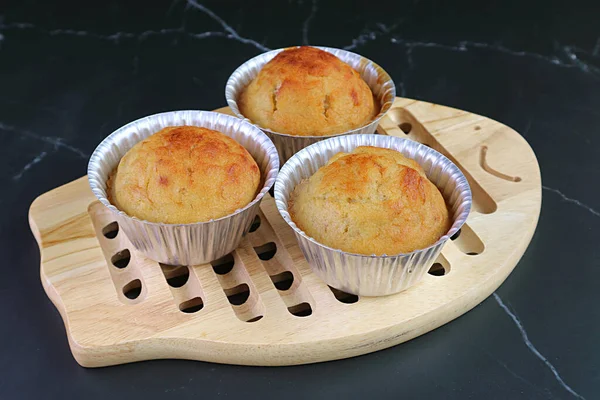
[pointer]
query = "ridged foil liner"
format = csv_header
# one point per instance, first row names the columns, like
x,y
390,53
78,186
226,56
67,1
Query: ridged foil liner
x,y
184,244
371,275
379,81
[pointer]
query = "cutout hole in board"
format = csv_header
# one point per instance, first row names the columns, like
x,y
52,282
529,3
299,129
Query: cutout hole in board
x,y
111,230
266,251
343,297
440,267
133,289
223,265
191,306
301,310
121,259
176,275
283,281
255,224
238,295
468,242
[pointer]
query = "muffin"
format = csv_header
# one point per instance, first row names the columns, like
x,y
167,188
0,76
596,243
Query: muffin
x,y
184,174
306,91
370,201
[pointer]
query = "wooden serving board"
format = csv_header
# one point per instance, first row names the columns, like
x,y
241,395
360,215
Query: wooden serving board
x,y
262,305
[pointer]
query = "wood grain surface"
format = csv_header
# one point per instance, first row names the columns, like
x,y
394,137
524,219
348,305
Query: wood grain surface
x,y
262,305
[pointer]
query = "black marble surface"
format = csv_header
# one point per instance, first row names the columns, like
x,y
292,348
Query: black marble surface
x,y
72,72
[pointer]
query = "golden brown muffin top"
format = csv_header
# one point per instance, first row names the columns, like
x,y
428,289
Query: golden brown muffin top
x,y
370,201
306,91
184,174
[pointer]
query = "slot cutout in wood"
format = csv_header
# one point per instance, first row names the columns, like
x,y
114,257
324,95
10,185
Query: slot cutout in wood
x,y
283,281
486,167
455,236
266,251
191,306
238,295
133,289
239,289
185,287
301,310
223,265
111,230
437,269
482,201
121,259
405,127
468,242
343,297
440,267
176,275
255,224
278,263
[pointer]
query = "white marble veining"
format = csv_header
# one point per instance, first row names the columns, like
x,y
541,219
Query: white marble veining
x,y
533,349
575,60
30,164
573,201
57,142
368,35
232,33
401,88
545,391
569,53
205,35
306,25
113,37
116,37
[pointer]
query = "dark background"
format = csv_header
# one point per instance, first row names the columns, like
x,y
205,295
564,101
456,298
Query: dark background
x,y
72,72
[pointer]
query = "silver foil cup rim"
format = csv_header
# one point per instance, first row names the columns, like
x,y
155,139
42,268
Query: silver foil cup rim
x,y
98,184
349,143
243,75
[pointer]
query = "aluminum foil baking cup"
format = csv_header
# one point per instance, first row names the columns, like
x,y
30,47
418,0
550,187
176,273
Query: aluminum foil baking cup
x,y
379,81
373,275
184,244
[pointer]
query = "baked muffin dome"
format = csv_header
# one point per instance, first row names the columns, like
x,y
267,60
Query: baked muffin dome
x,y
184,174
306,91
370,201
